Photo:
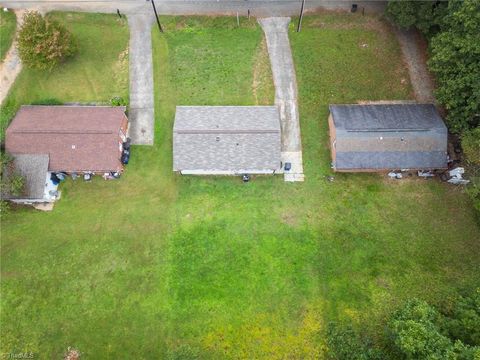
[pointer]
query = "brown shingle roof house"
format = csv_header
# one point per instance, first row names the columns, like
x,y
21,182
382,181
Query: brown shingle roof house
x,y
76,138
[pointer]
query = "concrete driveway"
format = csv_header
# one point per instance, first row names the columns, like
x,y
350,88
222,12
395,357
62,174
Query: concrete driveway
x,y
284,78
141,110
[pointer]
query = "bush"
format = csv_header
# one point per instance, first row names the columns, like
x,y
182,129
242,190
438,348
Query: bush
x,y
118,101
44,43
4,207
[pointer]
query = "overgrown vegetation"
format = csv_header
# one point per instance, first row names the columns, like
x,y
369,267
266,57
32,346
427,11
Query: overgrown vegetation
x,y
8,23
11,182
44,43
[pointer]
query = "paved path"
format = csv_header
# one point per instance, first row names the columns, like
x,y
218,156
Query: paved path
x,y
11,66
420,77
276,33
141,112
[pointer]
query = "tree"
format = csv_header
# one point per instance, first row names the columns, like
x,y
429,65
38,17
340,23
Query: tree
x,y
455,61
44,43
416,331
427,16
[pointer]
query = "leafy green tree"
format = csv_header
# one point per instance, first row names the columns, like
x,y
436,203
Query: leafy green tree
x,y
427,16
455,61
44,43
417,334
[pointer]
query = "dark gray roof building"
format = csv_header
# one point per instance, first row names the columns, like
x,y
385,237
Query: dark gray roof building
x,y
33,168
387,137
226,140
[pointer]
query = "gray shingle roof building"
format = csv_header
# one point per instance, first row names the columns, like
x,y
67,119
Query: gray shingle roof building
x,y
387,137
226,140
33,168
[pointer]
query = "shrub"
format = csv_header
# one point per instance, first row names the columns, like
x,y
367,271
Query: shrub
x,y
44,43
118,101
4,207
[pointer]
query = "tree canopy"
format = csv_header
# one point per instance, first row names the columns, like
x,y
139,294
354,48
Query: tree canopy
x,y
44,43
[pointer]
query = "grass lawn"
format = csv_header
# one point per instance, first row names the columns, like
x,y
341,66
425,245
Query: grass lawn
x,y
96,73
8,22
164,266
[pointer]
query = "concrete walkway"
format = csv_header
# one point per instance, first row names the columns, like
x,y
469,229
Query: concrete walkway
x,y
420,77
141,112
276,33
11,66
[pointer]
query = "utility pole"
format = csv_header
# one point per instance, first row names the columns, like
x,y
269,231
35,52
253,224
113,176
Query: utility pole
x,y
156,16
299,26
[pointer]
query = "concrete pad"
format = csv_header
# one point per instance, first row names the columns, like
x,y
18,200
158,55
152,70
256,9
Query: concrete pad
x,y
44,206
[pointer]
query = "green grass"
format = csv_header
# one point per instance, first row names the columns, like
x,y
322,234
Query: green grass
x,y
163,266
8,22
98,72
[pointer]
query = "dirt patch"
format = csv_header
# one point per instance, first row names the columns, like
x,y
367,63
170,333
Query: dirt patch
x,y
289,218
